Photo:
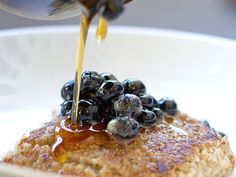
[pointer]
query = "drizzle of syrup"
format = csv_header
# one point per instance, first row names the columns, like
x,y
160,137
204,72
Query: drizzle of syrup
x,y
69,136
101,32
174,125
71,133
169,119
100,35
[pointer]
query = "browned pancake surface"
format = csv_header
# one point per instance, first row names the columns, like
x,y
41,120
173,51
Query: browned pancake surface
x,y
159,151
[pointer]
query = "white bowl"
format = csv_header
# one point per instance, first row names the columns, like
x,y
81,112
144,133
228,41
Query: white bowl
x,y
198,71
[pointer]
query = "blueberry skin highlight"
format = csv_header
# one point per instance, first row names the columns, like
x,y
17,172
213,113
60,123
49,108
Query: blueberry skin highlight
x,y
147,100
90,82
168,105
87,111
128,105
123,127
147,118
159,114
66,108
108,76
134,86
67,90
109,89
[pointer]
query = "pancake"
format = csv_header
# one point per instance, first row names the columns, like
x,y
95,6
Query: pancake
x,y
182,146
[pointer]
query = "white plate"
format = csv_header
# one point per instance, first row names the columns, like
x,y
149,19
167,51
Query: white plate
x,y
198,71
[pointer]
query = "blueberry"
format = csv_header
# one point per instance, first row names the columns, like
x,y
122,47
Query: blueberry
x,y
147,100
123,127
159,114
67,90
222,134
155,103
147,118
90,81
106,112
87,111
134,86
92,99
206,123
168,105
109,90
128,105
66,108
108,76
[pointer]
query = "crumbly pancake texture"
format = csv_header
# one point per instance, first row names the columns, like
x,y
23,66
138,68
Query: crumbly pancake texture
x,y
185,147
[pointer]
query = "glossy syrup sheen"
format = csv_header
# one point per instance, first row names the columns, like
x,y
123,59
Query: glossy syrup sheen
x,y
69,136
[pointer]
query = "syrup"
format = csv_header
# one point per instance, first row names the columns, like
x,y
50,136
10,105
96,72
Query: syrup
x,y
71,132
101,30
100,34
84,27
69,136
174,125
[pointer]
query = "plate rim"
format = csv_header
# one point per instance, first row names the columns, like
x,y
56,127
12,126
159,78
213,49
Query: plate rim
x,y
116,29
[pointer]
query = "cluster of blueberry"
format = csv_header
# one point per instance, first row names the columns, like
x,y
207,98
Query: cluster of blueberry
x,y
124,106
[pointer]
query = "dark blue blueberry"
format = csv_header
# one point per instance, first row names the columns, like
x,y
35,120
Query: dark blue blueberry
x,y
108,76
67,90
147,118
128,105
206,123
147,100
123,127
106,112
159,114
155,103
90,82
92,99
66,108
87,111
109,89
89,96
222,134
168,105
134,86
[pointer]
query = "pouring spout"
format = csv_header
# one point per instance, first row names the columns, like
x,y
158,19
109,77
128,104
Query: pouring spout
x,y
62,9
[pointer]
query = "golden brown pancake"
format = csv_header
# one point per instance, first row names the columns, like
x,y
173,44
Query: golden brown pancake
x,y
181,147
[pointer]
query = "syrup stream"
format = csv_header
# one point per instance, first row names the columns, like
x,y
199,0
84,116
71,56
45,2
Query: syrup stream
x,y
71,131
101,30
84,26
100,35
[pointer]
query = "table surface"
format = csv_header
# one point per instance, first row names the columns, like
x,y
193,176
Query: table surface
x,y
215,17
